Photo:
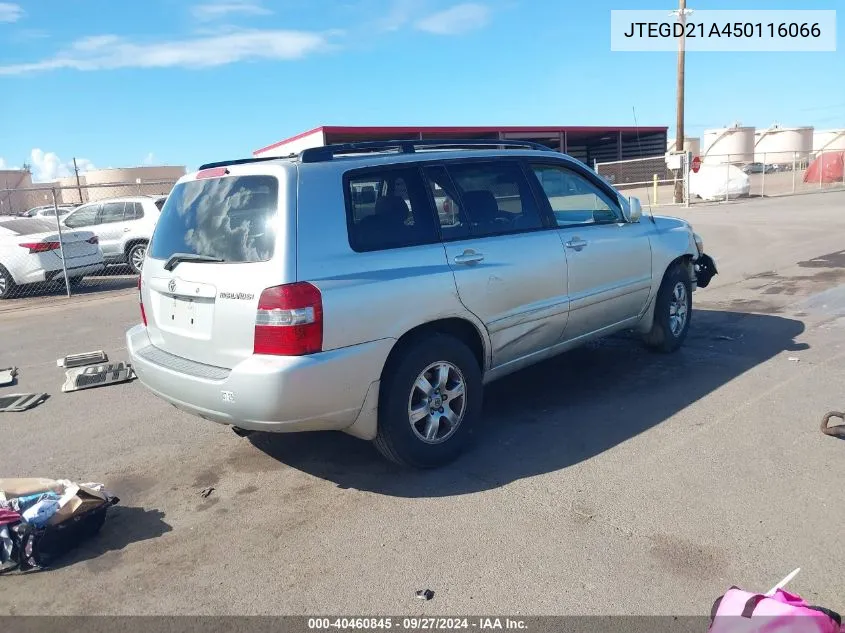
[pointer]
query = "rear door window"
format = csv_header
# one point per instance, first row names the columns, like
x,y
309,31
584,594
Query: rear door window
x,y
134,211
388,208
112,212
232,218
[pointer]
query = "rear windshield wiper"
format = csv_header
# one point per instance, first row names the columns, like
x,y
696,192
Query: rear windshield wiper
x,y
178,258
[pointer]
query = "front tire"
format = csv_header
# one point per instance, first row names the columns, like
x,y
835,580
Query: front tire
x,y
430,398
672,311
135,257
7,284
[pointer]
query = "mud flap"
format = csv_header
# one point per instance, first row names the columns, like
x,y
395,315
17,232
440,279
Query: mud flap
x,y
7,376
78,360
16,402
97,376
705,270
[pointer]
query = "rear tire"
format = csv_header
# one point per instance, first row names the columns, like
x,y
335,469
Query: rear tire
x,y
672,311
75,282
135,257
430,397
7,284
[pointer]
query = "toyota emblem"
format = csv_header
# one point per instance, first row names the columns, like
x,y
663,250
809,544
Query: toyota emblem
x,y
172,285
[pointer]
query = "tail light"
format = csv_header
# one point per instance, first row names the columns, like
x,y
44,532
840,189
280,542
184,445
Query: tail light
x,y
141,303
93,240
41,247
289,321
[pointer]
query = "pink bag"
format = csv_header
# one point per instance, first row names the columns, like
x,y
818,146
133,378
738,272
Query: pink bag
x,y
741,611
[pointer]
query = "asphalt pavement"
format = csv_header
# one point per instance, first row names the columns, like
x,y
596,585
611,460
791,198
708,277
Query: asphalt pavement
x,y
609,480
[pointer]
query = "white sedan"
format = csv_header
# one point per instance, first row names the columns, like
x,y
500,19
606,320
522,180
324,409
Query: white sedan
x,y
30,252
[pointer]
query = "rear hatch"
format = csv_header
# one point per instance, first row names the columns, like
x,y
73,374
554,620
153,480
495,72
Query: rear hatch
x,y
40,237
218,243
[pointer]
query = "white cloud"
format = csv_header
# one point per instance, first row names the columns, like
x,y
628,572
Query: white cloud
x,y
224,8
47,166
10,12
399,14
102,52
149,159
458,19
2,163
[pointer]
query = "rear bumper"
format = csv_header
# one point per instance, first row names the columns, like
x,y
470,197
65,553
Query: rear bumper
x,y
75,271
85,266
266,393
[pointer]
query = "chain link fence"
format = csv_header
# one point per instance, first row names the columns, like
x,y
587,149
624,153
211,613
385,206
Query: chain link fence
x,y
63,241
652,179
723,177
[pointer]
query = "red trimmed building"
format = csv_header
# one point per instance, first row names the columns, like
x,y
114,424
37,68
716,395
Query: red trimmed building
x,y
588,144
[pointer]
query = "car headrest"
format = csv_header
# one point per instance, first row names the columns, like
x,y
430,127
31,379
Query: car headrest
x,y
393,208
481,205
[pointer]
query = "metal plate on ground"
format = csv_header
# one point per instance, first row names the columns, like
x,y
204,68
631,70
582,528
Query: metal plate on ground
x,y
78,360
97,376
7,376
20,401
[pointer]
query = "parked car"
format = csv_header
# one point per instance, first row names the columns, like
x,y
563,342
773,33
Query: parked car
x,y
758,168
719,182
276,298
47,211
124,226
31,252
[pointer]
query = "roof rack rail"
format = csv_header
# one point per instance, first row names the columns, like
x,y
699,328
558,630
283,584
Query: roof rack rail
x,y
409,146
242,161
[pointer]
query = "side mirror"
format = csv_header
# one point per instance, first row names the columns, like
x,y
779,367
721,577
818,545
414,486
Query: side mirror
x,y
634,211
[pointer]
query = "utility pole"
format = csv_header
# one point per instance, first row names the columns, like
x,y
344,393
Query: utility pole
x,y
79,186
679,124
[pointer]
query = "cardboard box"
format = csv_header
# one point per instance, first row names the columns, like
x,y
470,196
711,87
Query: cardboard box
x,y
21,487
76,500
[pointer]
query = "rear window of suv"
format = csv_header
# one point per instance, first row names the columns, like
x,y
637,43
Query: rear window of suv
x,y
231,218
388,208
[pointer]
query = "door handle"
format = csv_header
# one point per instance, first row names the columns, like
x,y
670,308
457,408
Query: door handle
x,y
576,243
469,257
126,229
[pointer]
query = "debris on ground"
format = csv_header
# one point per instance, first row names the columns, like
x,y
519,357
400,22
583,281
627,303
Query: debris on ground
x,y
42,519
425,594
838,430
16,402
8,375
97,376
78,360
206,492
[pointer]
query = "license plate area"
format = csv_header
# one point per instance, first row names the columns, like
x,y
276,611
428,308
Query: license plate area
x,y
188,316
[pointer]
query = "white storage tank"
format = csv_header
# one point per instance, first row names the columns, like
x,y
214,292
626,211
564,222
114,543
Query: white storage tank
x,y
829,141
691,144
782,145
733,144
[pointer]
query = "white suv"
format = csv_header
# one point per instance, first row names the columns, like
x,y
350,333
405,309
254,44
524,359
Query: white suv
x,y
374,288
124,226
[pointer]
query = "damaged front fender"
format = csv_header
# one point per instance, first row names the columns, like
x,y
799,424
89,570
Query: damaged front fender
x,y
705,270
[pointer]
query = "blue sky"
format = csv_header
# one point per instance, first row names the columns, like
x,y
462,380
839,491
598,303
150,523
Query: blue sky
x,y
187,81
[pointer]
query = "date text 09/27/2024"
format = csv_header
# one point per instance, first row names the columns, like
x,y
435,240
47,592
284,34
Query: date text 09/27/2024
x,y
420,623
735,29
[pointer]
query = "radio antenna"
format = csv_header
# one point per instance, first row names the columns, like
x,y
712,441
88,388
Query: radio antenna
x,y
640,147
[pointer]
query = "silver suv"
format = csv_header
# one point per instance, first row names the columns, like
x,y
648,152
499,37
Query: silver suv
x,y
374,288
124,226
